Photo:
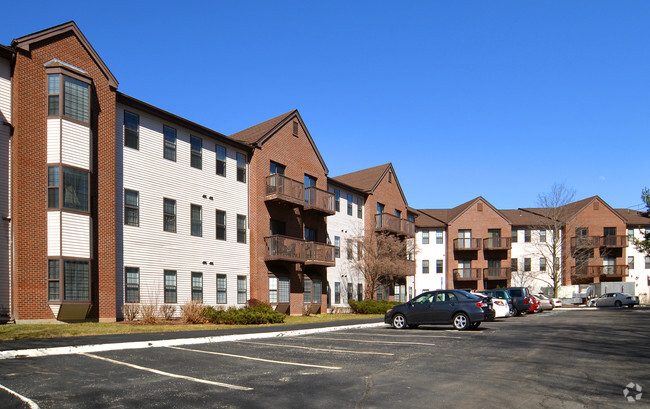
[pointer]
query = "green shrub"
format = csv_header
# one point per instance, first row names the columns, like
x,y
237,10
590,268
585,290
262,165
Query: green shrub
x,y
372,306
259,314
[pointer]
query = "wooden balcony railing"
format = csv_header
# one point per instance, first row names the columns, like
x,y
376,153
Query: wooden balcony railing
x,y
467,244
319,254
600,271
468,274
497,243
284,248
319,200
615,242
394,224
280,188
585,242
497,273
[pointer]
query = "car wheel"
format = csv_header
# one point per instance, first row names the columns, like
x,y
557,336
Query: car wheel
x,y
461,322
413,326
474,325
617,303
630,306
399,321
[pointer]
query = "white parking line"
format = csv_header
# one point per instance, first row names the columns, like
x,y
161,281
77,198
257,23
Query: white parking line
x,y
172,375
256,359
70,350
373,342
343,351
28,401
402,335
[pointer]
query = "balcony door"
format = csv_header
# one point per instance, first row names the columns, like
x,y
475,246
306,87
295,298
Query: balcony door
x,y
309,182
610,236
464,239
380,211
494,268
277,183
465,268
494,238
609,265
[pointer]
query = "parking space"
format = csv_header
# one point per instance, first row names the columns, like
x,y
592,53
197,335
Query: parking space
x,y
558,359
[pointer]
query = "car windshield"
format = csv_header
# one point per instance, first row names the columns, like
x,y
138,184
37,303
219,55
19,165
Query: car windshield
x,y
469,295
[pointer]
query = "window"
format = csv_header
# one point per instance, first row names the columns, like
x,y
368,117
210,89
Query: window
x,y
53,187
221,289
277,169
310,234
169,215
279,290
221,160
398,213
241,289
630,236
359,251
425,266
439,266
273,290
359,208
131,130
350,292
542,264
350,200
337,247
132,284
337,199
359,292
75,189
439,236
196,146
425,236
514,265
241,167
647,262
630,262
542,236
197,287
131,208
337,293
527,264
170,143
221,225
76,280
514,235
380,208
197,222
306,298
170,286
348,250
53,281
53,91
527,236
380,292
241,229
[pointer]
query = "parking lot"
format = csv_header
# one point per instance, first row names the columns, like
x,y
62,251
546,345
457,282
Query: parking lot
x,y
558,359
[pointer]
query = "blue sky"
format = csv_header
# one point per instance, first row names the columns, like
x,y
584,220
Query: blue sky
x,y
498,99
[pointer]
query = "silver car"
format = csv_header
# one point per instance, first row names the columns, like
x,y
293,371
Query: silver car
x,y
545,303
614,300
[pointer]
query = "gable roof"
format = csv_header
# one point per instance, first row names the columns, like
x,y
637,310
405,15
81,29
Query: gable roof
x,y
367,180
449,215
256,135
424,220
25,43
523,217
634,217
571,210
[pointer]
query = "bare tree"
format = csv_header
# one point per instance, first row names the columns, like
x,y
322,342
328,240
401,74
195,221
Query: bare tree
x,y
644,245
382,258
554,215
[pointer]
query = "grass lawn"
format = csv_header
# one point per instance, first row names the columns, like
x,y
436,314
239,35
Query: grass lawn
x,y
25,331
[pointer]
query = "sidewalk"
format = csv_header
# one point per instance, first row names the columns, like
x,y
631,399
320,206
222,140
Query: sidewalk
x,y
158,337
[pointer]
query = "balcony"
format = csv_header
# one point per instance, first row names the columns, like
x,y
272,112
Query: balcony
x,y
319,254
600,271
393,224
497,273
497,243
319,200
584,242
467,244
613,242
467,274
284,248
281,189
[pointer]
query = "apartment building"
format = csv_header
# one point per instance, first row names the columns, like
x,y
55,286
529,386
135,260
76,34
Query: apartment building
x,y
430,256
288,209
385,211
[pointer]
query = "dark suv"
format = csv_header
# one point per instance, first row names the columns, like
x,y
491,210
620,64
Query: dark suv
x,y
520,299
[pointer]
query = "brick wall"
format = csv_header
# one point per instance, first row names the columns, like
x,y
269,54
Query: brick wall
x,y
29,180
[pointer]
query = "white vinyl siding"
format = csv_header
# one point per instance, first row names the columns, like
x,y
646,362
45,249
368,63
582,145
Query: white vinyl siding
x,y
53,234
155,178
75,145
54,140
75,235
5,91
